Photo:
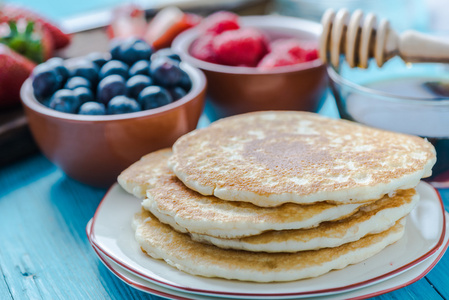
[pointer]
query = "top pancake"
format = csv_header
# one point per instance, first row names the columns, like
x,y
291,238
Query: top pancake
x,y
270,158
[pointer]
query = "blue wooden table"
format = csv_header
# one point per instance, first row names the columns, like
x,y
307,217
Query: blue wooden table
x,y
45,254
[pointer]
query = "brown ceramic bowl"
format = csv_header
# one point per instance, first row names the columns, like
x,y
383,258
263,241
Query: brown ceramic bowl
x,y
235,90
95,149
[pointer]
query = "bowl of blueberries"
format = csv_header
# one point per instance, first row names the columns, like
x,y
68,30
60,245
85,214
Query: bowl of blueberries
x,y
93,116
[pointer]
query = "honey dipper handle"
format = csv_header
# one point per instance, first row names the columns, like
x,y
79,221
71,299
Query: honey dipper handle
x,y
418,47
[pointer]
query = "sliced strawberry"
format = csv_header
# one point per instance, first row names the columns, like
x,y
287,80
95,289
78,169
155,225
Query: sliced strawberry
x,y
167,24
10,12
127,21
14,69
220,22
241,47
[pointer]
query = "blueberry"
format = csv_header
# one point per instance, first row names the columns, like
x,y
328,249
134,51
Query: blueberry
x,y
166,52
109,87
154,96
85,68
122,105
92,108
185,81
46,81
115,48
65,101
136,84
99,59
177,92
77,81
142,67
84,94
165,72
58,64
131,50
114,67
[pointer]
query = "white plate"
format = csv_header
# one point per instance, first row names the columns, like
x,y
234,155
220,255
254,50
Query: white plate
x,y
113,236
407,277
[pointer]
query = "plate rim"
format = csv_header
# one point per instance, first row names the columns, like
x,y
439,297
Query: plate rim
x,y
150,290
340,289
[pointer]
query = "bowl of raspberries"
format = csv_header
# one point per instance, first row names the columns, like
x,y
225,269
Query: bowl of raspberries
x,y
256,62
95,115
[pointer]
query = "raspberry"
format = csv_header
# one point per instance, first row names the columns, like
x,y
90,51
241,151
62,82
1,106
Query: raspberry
x,y
202,49
241,47
219,22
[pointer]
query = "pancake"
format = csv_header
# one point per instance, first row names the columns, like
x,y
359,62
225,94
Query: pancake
x,y
188,211
271,158
371,219
160,241
146,173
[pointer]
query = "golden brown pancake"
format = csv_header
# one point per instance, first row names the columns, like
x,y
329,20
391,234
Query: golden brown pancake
x,y
370,219
186,210
160,241
271,158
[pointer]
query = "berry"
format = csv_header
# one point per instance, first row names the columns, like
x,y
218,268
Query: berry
x,y
142,67
99,59
58,64
276,59
166,52
165,72
185,81
131,50
14,12
122,105
241,47
153,97
114,67
136,84
84,94
311,54
177,93
219,22
14,70
77,81
87,69
92,108
46,81
109,87
202,48
65,101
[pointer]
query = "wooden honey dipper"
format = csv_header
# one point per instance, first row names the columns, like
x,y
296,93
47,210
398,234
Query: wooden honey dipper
x,y
360,39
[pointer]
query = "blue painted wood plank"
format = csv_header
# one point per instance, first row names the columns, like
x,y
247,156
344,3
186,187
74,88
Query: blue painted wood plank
x,y
439,276
420,290
44,252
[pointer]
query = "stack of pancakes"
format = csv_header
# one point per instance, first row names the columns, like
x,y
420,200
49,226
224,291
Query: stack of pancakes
x,y
276,196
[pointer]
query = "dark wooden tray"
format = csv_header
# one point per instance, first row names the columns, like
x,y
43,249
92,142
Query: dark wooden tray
x,y
15,137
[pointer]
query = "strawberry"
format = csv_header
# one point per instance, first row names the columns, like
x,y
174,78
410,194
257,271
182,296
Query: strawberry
x,y
220,22
202,48
276,59
240,47
127,21
10,12
27,38
14,69
285,52
166,25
